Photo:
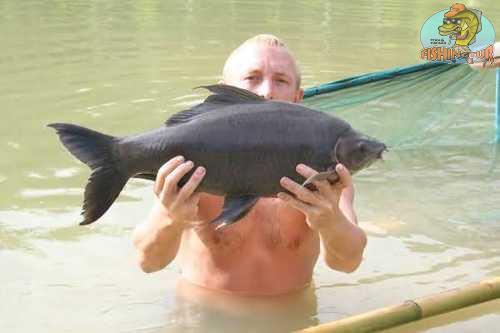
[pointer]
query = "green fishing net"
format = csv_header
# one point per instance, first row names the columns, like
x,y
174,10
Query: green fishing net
x,y
421,105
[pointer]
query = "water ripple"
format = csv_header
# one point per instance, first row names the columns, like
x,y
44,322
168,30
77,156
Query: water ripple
x,y
40,193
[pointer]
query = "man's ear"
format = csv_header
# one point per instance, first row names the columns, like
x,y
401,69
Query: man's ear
x,y
299,95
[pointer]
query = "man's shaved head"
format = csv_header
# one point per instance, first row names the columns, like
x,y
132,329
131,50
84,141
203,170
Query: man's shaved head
x,y
264,65
262,40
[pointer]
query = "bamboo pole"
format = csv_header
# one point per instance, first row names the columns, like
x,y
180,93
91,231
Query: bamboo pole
x,y
413,310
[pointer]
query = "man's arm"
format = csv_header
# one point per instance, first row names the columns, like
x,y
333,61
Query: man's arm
x,y
157,240
329,211
343,241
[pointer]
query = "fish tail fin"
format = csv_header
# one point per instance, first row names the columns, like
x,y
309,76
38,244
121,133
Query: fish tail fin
x,y
99,151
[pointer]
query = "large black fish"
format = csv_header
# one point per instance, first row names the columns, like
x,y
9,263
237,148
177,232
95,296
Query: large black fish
x,y
246,144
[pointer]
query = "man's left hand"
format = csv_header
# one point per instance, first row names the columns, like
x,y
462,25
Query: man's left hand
x,y
320,207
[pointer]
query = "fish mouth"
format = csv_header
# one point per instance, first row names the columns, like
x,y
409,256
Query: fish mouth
x,y
446,29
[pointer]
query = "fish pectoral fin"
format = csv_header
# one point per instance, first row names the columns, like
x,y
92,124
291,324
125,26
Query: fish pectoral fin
x,y
330,175
235,208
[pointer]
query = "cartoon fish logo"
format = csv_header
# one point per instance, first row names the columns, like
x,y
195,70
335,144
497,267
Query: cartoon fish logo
x,y
462,25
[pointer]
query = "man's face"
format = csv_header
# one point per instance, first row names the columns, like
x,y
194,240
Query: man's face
x,y
268,71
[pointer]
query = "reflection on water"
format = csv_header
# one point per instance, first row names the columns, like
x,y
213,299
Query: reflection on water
x,y
431,210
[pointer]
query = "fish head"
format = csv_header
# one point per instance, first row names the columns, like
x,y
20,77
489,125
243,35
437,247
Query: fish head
x,y
356,151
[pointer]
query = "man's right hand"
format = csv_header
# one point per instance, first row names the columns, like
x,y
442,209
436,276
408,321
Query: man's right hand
x,y
157,241
179,204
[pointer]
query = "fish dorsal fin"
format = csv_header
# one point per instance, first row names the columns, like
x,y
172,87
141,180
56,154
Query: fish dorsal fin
x,y
185,116
223,95
226,94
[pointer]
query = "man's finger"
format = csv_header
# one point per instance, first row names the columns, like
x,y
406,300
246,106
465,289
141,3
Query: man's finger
x,y
325,189
309,173
305,171
194,199
300,192
297,204
344,175
193,182
172,179
164,171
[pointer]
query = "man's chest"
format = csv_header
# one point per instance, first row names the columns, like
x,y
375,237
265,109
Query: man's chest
x,y
270,225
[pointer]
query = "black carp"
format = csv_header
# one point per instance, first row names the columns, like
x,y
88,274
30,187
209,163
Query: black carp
x,y
246,143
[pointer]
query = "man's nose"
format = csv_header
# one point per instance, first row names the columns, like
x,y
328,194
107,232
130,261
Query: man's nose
x,y
266,89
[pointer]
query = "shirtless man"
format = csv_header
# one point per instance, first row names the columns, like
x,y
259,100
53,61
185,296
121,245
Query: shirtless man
x,y
273,249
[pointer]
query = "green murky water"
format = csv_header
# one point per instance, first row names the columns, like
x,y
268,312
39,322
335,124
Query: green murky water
x,y
431,211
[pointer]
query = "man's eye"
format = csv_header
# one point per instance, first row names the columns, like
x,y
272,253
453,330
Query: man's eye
x,y
282,81
251,78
